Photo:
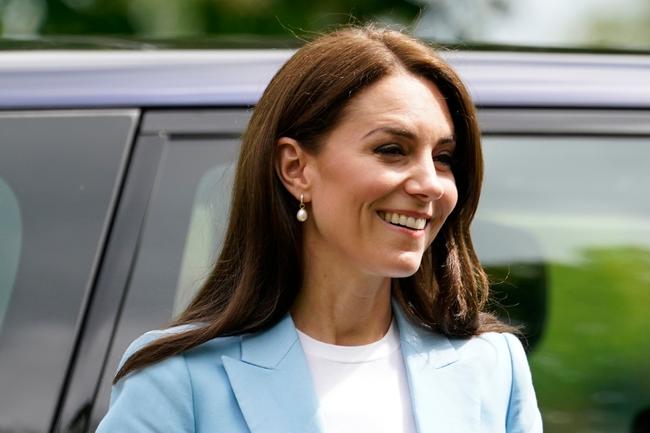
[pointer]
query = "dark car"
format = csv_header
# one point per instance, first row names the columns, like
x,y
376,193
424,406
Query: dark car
x,y
115,175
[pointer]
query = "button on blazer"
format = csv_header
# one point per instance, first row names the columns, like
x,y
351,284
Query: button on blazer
x,y
260,383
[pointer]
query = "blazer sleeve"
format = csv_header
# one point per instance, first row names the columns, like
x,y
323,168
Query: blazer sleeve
x,y
157,398
523,413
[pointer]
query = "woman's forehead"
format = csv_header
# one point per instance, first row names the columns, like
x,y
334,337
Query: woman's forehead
x,y
400,101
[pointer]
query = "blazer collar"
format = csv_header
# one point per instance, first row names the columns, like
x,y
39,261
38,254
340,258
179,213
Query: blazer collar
x,y
431,348
267,349
443,391
272,382
274,389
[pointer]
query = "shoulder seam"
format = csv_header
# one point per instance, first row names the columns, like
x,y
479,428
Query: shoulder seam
x,y
512,377
189,379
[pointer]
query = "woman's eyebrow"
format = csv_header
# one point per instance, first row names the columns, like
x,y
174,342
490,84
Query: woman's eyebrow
x,y
400,132
450,140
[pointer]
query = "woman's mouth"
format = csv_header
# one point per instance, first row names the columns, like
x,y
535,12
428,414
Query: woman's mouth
x,y
402,220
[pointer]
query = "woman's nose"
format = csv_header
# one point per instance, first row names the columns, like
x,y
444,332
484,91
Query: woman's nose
x,y
424,182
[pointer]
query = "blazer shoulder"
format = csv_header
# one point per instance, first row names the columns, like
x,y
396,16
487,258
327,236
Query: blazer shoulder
x,y
506,378
512,369
151,336
523,411
157,397
490,348
214,348
161,396
502,354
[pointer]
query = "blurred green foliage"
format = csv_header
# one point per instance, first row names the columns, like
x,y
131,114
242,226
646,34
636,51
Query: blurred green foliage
x,y
631,29
591,333
509,22
183,18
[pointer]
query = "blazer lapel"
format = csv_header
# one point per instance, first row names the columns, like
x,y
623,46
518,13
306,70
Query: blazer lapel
x,y
444,393
272,382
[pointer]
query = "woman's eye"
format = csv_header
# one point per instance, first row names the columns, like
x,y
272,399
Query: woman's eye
x,y
445,158
390,149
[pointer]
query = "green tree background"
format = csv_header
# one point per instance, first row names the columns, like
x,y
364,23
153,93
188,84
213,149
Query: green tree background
x,y
591,22
190,18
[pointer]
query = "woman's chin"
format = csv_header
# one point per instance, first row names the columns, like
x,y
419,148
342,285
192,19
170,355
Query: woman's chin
x,y
405,266
405,273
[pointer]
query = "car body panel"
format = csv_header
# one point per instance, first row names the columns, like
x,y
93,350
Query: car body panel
x,y
191,78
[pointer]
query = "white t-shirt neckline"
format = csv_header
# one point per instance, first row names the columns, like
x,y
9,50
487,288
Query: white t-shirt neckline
x,y
360,388
379,349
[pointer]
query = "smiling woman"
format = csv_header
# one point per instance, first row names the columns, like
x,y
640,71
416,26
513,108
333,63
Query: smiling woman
x,y
347,296
388,142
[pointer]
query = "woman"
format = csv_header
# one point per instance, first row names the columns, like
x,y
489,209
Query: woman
x,y
348,296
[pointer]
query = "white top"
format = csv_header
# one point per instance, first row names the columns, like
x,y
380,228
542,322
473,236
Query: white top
x,y
361,388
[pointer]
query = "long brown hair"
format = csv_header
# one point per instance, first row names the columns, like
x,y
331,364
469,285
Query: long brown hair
x,y
258,273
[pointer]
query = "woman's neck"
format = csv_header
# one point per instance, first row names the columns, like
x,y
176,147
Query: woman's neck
x,y
343,311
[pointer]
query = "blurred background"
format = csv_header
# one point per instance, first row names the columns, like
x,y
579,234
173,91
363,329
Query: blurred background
x,y
584,23
570,253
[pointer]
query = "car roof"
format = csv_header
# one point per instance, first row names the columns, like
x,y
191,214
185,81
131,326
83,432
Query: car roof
x,y
237,77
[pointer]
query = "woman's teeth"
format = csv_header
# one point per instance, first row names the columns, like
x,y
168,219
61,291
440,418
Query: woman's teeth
x,y
403,220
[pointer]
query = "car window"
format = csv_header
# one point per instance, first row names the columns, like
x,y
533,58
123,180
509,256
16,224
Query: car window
x,y
564,230
205,231
59,172
11,232
182,235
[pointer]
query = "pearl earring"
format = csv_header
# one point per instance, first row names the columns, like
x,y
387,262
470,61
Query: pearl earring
x,y
302,213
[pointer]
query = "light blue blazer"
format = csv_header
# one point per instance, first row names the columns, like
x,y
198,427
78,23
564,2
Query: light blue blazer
x,y
260,383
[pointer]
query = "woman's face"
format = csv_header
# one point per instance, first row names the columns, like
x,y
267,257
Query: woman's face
x,y
382,184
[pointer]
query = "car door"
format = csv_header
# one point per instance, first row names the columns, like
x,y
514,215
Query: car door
x,y
60,175
165,236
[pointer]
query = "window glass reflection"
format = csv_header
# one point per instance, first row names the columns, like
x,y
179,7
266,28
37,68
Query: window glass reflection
x,y
11,232
59,171
564,229
205,233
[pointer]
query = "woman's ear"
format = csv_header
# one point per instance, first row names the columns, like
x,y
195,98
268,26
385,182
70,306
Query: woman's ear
x,y
290,165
